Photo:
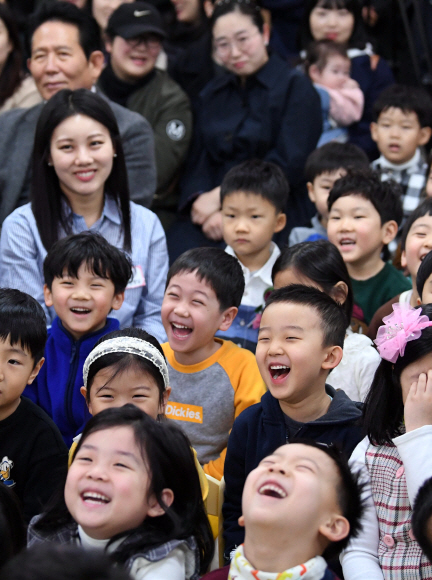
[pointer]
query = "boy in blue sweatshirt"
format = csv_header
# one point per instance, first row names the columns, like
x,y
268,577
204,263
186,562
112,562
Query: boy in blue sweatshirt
x,y
300,340
85,278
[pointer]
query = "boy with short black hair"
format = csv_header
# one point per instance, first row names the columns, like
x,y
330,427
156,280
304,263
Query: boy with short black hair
x,y
300,340
402,125
33,457
85,278
212,380
364,217
323,167
254,195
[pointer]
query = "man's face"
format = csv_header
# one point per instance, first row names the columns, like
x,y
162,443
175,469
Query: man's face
x,y
58,61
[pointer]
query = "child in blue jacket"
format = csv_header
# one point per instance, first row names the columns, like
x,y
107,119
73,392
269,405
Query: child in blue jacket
x,y
85,278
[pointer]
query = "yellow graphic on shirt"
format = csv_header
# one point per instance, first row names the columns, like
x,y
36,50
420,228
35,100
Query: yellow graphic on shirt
x,y
5,471
184,412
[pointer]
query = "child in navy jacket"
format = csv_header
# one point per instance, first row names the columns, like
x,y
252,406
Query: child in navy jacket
x,y
300,340
85,278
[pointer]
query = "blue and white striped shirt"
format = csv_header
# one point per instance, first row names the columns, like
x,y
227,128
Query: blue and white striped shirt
x,y
22,254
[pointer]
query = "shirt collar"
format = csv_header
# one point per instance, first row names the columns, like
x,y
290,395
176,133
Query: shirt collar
x,y
110,211
413,162
266,271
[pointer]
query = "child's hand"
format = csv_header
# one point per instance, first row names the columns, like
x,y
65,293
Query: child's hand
x,y
418,404
350,84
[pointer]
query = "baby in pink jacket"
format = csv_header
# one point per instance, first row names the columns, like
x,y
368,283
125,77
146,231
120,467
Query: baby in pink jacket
x,y
328,67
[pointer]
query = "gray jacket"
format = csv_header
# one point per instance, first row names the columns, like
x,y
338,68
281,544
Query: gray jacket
x,y
17,129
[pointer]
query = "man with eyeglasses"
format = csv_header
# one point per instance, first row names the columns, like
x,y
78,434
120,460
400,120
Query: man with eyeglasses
x,y
134,42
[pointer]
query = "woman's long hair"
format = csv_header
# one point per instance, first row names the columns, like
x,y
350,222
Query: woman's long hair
x,y
167,454
384,409
11,75
48,200
358,37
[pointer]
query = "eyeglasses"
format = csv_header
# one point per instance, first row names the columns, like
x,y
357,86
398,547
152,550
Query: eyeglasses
x,y
224,47
151,41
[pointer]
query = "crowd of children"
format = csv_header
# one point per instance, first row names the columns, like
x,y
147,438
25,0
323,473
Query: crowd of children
x,y
296,377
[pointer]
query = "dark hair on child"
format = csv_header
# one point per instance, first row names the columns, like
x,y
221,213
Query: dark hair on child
x,y
23,322
331,314
167,453
425,208
322,263
67,255
319,52
407,98
384,196
12,527
53,561
421,518
423,273
122,361
334,156
89,35
358,37
383,409
218,269
260,178
247,7
349,494
48,200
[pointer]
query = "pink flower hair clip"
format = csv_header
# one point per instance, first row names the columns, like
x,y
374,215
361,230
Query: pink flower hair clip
x,y
402,325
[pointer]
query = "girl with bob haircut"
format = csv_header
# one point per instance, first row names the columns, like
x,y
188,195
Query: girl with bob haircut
x,y
395,454
319,264
341,21
79,183
132,491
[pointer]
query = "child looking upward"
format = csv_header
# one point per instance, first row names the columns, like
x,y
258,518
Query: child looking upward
x,y
328,66
85,278
33,457
402,125
212,380
253,199
301,503
300,340
364,216
323,167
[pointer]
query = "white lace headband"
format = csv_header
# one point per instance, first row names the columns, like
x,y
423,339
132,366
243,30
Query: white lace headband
x,y
129,345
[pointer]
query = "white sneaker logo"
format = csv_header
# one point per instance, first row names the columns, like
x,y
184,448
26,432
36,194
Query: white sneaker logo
x,y
139,13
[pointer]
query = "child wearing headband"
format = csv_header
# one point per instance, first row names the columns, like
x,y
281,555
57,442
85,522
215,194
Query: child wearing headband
x,y
128,366
396,452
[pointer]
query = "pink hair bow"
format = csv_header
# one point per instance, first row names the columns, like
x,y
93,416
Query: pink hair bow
x,y
402,325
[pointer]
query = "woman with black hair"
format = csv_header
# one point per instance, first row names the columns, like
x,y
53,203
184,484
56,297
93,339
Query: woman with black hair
x,y
257,108
341,21
80,183
16,89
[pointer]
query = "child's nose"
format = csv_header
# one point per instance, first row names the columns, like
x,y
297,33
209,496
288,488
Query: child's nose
x,y
81,294
181,309
96,472
241,225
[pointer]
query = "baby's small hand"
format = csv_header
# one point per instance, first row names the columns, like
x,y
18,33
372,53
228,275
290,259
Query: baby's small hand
x,y
418,404
350,84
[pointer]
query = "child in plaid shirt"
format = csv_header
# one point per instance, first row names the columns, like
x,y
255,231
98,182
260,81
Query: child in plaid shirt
x,y
402,126
395,455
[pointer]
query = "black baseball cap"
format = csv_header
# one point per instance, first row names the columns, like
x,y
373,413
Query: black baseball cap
x,y
134,19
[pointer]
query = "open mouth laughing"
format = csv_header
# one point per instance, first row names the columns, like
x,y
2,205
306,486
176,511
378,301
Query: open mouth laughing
x,y
278,372
180,330
94,498
272,490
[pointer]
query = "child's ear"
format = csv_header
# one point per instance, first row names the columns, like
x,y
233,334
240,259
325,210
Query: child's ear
x,y
425,135
117,300
314,73
35,371
333,358
403,259
311,191
154,508
389,231
227,317
83,391
374,131
241,522
339,292
419,302
48,296
280,222
335,529
166,396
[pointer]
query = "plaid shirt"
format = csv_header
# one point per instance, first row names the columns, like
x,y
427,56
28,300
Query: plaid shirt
x,y
400,556
412,179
